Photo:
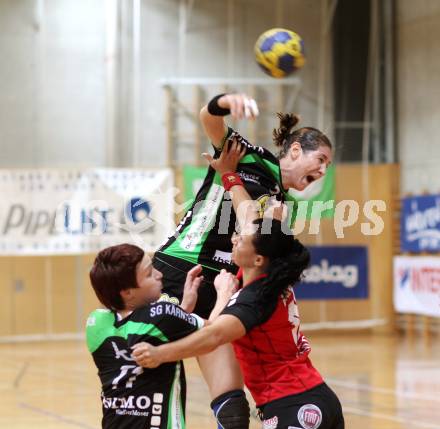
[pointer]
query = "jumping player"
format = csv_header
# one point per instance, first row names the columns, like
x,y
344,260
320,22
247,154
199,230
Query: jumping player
x,y
204,234
126,283
262,321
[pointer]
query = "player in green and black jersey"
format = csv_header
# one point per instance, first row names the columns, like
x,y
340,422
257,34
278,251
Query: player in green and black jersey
x,y
204,234
133,397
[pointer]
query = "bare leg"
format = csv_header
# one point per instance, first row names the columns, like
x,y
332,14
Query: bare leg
x,y
223,376
221,371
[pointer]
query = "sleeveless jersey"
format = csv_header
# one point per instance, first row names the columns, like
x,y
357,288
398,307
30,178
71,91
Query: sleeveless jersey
x,y
135,397
204,234
273,355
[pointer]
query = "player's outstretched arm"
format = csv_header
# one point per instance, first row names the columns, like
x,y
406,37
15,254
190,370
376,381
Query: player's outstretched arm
x,y
239,106
222,332
224,329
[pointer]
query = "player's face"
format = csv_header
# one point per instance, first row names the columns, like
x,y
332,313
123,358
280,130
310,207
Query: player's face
x,y
243,250
308,166
149,282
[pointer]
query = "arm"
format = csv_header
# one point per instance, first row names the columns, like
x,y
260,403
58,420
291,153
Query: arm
x,y
245,208
226,284
239,105
191,287
224,329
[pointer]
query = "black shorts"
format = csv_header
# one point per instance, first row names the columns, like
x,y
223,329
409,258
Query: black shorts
x,y
174,272
317,408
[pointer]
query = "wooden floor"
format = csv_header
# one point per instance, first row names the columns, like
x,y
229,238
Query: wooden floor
x,y
383,382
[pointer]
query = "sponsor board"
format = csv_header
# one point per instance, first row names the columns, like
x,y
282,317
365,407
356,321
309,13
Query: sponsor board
x,y
420,224
49,212
417,285
335,272
193,178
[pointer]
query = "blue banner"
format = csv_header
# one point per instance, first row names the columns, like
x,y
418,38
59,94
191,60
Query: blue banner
x,y
420,224
335,272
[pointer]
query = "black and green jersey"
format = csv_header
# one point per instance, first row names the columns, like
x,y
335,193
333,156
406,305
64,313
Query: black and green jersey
x,y
204,234
135,397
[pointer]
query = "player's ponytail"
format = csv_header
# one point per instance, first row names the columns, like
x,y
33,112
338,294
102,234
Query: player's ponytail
x,y
288,259
308,137
287,123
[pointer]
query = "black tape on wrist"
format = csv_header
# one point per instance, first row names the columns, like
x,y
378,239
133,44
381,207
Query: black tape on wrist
x,y
215,110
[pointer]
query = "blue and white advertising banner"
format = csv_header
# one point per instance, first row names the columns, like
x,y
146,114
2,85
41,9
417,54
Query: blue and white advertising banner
x,y
420,224
335,272
417,285
52,212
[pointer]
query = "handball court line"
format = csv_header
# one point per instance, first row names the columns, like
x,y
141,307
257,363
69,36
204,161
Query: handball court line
x,y
24,368
382,390
404,420
55,416
20,374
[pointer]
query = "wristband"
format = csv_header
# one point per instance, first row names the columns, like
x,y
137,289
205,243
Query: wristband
x,y
215,110
231,179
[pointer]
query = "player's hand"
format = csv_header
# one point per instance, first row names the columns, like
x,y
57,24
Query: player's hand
x,y
146,355
229,159
191,288
241,106
226,284
275,209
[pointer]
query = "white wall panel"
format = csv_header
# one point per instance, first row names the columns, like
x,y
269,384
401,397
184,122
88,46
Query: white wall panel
x,y
54,92
418,94
52,83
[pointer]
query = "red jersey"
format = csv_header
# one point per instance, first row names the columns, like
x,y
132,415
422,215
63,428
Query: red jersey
x,y
273,355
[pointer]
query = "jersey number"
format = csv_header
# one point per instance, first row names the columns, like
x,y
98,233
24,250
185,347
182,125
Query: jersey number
x,y
132,371
294,320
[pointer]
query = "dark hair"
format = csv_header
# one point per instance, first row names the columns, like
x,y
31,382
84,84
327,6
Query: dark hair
x,y
114,270
308,137
288,258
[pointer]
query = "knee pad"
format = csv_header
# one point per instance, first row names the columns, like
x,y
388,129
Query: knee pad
x,y
231,410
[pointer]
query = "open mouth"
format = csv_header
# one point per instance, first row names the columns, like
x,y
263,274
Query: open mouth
x,y
310,179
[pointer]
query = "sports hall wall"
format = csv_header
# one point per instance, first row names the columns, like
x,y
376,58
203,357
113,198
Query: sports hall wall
x,y
418,94
73,96
69,72
71,58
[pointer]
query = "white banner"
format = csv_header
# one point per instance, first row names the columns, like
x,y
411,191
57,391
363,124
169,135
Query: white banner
x,y
51,212
417,285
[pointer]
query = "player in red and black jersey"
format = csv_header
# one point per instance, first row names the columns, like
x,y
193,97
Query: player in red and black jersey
x,y
262,321
203,236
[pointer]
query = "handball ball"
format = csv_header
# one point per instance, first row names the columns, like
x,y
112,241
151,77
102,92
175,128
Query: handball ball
x,y
279,52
